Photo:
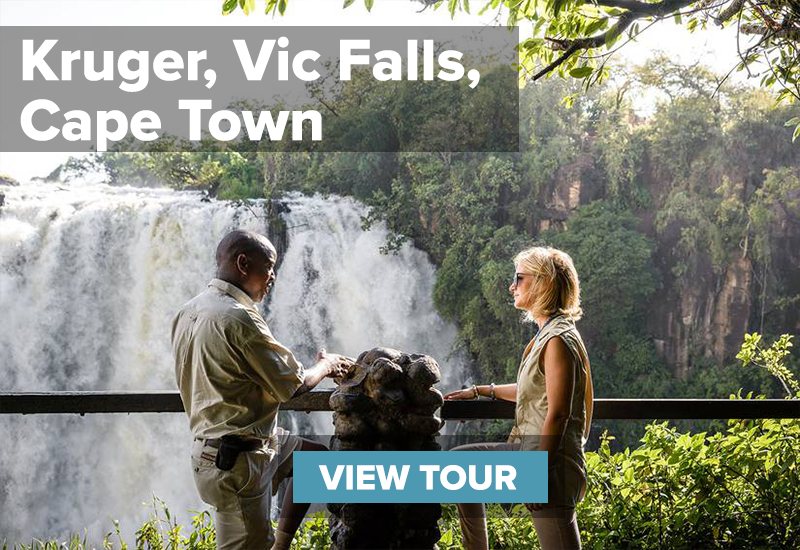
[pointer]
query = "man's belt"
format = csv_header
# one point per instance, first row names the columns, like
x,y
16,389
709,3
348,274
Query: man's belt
x,y
240,444
228,449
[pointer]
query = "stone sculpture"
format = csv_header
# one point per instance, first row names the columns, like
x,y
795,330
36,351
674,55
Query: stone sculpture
x,y
386,402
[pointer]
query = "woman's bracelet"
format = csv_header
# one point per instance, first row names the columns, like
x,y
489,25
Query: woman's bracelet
x,y
476,395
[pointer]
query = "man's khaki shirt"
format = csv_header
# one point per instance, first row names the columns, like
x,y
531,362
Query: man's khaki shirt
x,y
231,372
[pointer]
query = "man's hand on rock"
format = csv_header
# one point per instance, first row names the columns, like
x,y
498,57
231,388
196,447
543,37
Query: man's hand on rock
x,y
337,365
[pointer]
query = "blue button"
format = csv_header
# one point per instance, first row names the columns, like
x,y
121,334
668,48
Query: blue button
x,y
420,476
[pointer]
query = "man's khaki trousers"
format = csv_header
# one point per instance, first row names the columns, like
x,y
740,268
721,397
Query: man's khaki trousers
x,y
242,496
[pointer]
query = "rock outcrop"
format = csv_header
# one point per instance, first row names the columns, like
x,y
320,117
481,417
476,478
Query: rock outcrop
x,y
386,402
8,180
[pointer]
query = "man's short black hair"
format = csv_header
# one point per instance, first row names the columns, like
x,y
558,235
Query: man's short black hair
x,y
240,241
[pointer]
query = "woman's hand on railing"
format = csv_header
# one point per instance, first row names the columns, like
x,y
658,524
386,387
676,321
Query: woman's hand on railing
x,y
460,395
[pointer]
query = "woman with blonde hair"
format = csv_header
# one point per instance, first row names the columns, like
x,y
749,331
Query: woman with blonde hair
x,y
553,396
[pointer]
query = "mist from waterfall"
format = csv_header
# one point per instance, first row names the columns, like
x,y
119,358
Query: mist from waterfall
x,y
90,276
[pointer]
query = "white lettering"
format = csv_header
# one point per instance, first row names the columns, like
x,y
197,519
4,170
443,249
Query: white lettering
x,y
195,58
66,63
462,477
283,59
144,121
26,120
399,480
274,130
194,106
224,135
104,133
429,469
473,478
297,124
474,77
140,76
254,71
80,130
167,65
348,59
363,477
412,60
35,60
388,70
447,63
331,482
299,70
427,60
505,474
89,71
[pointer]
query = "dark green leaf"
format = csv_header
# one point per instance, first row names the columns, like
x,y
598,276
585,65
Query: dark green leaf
x,y
596,26
228,6
581,72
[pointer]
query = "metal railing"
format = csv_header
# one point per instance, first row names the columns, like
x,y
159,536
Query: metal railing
x,y
604,409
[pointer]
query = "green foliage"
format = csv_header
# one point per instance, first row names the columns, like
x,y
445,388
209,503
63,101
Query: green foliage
x,y
622,151
576,38
647,208
771,359
615,261
686,127
736,488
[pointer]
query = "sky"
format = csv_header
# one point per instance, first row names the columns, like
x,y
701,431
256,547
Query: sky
x,y
714,47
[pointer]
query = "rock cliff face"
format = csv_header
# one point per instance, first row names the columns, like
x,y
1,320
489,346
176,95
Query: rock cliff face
x,y
707,317
706,313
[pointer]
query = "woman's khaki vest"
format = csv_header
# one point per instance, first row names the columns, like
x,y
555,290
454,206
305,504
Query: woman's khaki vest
x,y
568,484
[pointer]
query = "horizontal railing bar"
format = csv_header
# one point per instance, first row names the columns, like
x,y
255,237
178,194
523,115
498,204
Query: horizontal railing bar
x,y
645,409
604,409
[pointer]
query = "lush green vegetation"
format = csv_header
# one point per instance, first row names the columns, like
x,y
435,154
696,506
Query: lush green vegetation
x,y
579,38
734,489
650,209
737,489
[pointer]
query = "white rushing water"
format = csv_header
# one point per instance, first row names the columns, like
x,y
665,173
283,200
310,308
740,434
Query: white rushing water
x,y
90,276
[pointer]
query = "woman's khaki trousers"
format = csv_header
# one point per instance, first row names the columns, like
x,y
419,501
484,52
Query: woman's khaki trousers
x,y
556,526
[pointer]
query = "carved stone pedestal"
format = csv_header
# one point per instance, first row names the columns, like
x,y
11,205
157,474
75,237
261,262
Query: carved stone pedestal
x,y
386,403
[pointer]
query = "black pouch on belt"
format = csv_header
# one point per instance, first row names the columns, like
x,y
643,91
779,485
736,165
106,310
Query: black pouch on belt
x,y
229,448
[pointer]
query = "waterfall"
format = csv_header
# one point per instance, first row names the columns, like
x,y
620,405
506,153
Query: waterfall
x,y
90,276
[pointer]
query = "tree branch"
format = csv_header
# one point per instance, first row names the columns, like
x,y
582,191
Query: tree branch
x,y
732,9
642,8
785,33
636,10
571,50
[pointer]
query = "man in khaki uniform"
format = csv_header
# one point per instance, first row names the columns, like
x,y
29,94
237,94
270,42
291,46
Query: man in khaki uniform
x,y
233,375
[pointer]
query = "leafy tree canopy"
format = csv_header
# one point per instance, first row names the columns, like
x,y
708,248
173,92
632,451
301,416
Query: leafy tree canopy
x,y
578,37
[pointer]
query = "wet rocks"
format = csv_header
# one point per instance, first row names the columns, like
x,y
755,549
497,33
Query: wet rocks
x,y
8,180
386,402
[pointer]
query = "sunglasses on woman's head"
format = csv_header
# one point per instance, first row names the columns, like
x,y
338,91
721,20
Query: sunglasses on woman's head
x,y
518,278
